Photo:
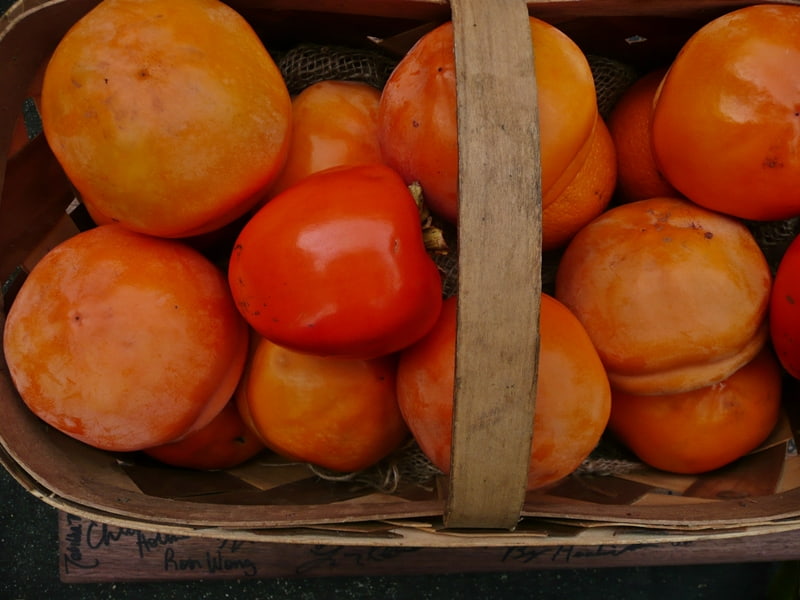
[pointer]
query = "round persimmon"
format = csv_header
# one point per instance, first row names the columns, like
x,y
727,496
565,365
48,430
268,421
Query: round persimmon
x,y
227,441
334,123
725,120
586,196
168,116
638,176
417,118
704,429
573,397
336,413
674,296
125,341
336,265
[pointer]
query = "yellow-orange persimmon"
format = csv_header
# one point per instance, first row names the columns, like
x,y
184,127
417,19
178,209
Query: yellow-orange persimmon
x,y
334,123
725,120
125,341
586,196
417,119
703,429
227,441
168,116
638,175
674,296
573,398
336,413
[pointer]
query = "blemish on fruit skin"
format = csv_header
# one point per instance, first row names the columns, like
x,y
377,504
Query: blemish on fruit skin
x,y
708,235
789,299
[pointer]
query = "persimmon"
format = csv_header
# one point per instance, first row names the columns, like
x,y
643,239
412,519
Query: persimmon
x,y
724,122
638,175
226,442
125,341
417,118
168,116
674,296
586,196
704,429
336,413
573,398
336,265
784,310
334,123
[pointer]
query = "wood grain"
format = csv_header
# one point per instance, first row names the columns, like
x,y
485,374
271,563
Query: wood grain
x,y
91,551
499,264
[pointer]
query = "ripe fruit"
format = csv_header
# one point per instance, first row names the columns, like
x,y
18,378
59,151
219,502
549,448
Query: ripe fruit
x,y
586,196
417,119
336,265
573,399
125,341
168,116
784,310
703,429
332,412
226,442
674,296
725,122
638,176
334,123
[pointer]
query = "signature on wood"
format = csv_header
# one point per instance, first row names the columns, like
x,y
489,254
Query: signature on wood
x,y
567,553
83,539
86,544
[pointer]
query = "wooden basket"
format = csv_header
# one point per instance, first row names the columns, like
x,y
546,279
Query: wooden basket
x,y
483,502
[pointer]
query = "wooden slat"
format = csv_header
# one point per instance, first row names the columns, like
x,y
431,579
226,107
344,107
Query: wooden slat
x,y
93,552
499,263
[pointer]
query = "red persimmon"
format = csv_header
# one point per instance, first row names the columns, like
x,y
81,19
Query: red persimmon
x,y
336,265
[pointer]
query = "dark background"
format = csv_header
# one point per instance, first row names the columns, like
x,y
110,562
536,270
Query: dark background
x,y
29,571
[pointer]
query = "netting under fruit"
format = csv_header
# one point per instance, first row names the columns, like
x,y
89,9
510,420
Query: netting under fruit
x,y
774,237
611,79
307,64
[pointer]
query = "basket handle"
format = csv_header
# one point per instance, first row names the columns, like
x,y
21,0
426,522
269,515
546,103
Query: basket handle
x,y
499,264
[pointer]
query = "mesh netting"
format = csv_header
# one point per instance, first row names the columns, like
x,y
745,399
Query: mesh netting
x,y
307,64
611,79
407,465
774,237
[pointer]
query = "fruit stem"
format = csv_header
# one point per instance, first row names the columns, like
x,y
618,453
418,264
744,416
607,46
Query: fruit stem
x,y
432,235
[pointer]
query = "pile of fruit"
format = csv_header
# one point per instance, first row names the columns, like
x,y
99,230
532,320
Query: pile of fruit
x,y
261,276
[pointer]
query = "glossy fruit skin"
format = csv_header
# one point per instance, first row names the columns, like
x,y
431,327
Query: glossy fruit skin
x,y
705,429
725,121
336,265
417,120
674,296
334,123
784,310
225,442
125,341
336,413
573,400
168,116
